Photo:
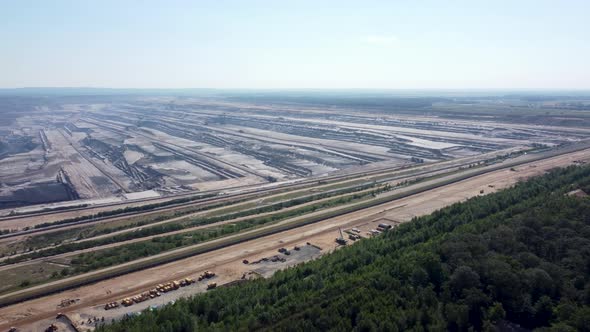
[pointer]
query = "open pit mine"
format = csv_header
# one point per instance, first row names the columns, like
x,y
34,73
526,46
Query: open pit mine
x,y
95,153
113,205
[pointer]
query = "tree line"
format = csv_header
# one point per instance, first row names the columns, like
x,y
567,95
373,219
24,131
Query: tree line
x,y
519,257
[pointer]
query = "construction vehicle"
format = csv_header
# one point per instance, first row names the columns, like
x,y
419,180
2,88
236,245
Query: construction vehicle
x,y
111,305
186,281
170,286
354,237
206,275
51,328
383,227
141,297
127,302
67,302
211,285
164,287
341,240
275,259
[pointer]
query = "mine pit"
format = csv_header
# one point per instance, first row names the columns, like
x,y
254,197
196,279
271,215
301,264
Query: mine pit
x,y
106,150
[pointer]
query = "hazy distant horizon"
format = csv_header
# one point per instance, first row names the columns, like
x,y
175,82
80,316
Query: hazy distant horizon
x,y
331,44
278,91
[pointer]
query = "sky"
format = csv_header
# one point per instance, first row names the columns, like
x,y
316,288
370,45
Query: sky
x,y
421,44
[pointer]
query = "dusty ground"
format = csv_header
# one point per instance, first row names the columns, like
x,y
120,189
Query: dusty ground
x,y
227,262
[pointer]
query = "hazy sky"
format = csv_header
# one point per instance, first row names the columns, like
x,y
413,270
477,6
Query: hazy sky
x,y
296,44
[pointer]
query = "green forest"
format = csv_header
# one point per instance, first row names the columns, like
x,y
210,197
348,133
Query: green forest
x,y
517,257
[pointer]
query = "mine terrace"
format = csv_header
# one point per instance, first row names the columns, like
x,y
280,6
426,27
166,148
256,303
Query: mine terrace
x,y
85,151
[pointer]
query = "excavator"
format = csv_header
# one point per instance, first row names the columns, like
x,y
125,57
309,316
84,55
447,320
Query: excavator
x,y
341,240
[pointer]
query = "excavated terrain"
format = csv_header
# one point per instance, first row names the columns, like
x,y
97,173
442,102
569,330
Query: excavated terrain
x,y
141,147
